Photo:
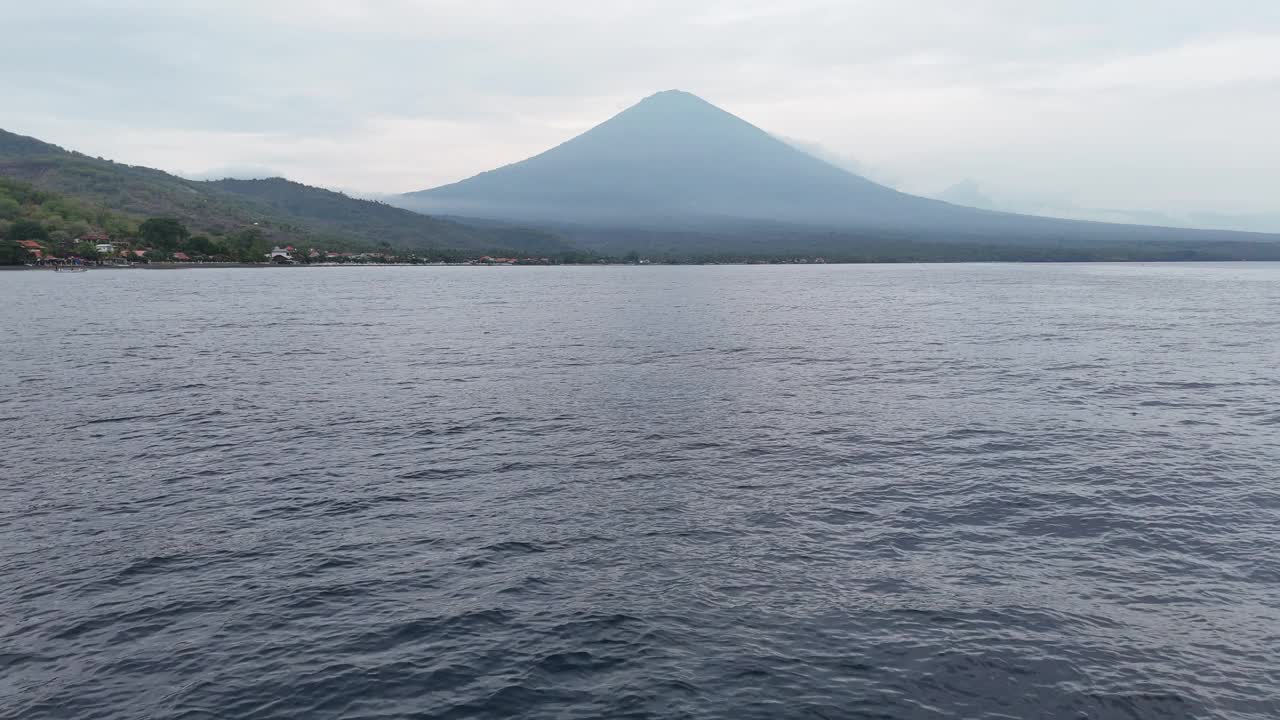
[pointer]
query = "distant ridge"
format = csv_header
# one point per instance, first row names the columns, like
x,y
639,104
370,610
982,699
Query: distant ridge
x,y
676,163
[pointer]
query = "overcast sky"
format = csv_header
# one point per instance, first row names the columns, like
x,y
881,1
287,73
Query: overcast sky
x,y
1152,104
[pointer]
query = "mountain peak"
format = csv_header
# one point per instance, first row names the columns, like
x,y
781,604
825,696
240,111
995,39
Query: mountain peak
x,y
674,107
673,96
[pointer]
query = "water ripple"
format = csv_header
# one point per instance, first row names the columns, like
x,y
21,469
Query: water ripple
x,y
977,491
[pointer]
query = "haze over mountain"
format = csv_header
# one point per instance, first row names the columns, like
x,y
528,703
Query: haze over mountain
x,y
975,194
674,162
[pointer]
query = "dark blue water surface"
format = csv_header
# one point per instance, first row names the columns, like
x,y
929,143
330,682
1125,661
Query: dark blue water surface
x,y
984,491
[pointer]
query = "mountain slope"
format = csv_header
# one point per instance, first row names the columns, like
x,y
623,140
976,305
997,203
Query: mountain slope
x,y
671,154
675,163
332,213
286,211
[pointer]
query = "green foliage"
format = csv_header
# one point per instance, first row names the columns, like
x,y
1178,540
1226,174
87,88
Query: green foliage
x,y
78,228
163,233
9,207
12,254
87,251
202,245
52,219
28,230
248,245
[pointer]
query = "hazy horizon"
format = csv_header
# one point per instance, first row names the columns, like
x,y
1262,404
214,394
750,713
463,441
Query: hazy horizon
x,y
1160,107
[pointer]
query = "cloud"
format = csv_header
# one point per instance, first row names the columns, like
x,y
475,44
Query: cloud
x,y
1209,63
234,172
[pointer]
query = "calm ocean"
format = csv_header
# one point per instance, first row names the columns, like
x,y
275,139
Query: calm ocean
x,y
899,491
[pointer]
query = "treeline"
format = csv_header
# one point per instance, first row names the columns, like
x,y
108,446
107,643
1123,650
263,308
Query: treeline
x,y
742,245
161,238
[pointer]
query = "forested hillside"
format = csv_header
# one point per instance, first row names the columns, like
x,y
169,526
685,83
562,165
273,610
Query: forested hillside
x,y
274,211
62,226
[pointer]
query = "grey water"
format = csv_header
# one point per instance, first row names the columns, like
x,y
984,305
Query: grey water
x,y
918,491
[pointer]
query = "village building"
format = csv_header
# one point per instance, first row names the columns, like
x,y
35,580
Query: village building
x,y
32,247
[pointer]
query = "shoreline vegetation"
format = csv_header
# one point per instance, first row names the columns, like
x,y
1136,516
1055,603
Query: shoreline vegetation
x,y
602,263
45,230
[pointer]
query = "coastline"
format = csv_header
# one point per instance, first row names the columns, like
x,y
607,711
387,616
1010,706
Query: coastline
x,y
149,266
251,266
262,266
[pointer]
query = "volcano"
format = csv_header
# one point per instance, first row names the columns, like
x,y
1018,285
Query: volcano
x,y
673,155
675,162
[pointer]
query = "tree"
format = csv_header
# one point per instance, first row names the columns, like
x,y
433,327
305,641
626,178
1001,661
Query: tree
x,y
204,246
87,250
28,230
9,207
79,228
162,233
12,254
248,245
